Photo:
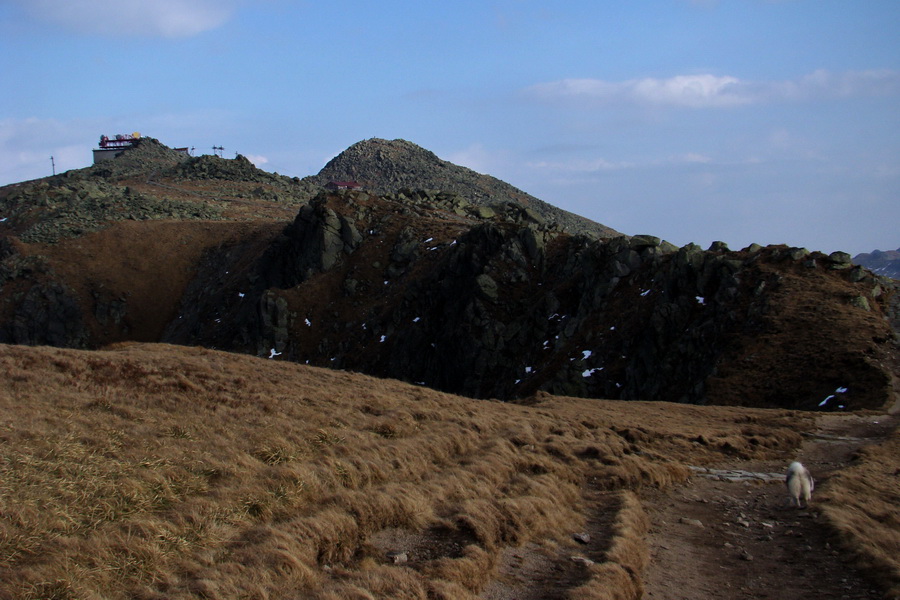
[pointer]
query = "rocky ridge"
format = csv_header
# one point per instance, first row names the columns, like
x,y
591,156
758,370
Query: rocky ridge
x,y
884,263
486,297
502,308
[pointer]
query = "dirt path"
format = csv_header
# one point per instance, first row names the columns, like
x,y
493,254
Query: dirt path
x,y
727,537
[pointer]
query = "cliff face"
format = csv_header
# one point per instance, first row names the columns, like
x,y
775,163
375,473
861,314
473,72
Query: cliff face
x,y
485,299
504,308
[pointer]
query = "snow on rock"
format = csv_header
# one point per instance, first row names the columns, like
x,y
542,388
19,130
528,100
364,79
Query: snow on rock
x,y
273,354
839,390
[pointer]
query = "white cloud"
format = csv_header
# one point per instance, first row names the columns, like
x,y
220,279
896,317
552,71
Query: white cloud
x,y
474,157
592,165
256,159
713,91
598,165
153,18
26,146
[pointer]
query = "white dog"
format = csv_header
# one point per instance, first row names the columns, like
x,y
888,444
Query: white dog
x,y
799,484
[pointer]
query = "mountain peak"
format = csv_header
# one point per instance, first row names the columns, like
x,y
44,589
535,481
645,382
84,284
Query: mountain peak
x,y
390,166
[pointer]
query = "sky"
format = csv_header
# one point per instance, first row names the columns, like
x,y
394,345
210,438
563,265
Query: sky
x,y
766,121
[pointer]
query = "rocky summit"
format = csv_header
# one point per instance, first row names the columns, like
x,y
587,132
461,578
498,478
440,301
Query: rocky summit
x,y
433,274
391,166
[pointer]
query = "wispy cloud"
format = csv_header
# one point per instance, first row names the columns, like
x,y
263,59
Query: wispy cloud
x,y
151,18
715,91
597,165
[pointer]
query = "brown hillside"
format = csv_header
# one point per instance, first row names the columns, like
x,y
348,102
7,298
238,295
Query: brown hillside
x,y
153,471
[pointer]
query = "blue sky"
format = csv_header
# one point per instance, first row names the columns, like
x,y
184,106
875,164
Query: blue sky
x,y
767,121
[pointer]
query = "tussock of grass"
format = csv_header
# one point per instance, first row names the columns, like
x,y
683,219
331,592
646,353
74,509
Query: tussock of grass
x,y
860,503
152,471
619,576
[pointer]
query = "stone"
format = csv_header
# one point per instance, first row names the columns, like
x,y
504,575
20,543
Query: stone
x,y
691,522
582,538
860,302
484,212
798,253
582,560
643,241
398,557
838,261
486,286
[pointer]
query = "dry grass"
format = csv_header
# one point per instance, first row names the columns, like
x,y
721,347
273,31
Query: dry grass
x,y
619,576
861,505
153,471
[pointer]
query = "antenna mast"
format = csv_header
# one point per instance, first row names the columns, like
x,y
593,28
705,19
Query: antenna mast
x,y
53,164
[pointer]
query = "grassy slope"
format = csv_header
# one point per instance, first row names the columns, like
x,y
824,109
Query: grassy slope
x,y
861,504
151,471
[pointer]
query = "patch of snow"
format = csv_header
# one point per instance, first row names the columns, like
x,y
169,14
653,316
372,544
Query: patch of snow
x,y
3,219
273,354
840,390
588,372
613,328
416,320
585,354
381,341
386,282
428,240
645,292
240,294
700,299
308,322
528,369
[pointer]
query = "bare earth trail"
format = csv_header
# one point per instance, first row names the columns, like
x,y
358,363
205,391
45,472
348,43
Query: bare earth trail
x,y
729,538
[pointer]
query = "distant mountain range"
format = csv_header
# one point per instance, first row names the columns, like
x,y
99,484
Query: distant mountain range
x,y
428,272
886,264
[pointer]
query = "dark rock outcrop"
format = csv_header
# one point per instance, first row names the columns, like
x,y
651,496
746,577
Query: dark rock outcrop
x,y
503,308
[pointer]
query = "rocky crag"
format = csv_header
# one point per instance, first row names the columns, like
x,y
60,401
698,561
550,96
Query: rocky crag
x,y
486,299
